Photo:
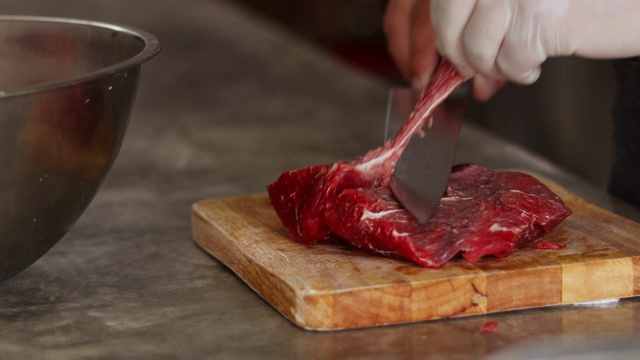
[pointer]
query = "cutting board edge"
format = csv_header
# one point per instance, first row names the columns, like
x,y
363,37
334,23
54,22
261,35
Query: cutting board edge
x,y
304,311
309,298
306,302
299,299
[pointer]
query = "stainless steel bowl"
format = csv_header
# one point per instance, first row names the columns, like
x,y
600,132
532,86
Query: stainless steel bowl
x,y
66,91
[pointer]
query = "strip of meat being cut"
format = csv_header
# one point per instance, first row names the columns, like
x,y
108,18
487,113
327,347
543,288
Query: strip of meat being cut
x,y
483,212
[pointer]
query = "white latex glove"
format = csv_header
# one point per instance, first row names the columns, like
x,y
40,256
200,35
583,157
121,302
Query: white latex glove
x,y
412,45
510,39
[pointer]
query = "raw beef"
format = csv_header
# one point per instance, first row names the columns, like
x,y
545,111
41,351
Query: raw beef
x,y
482,213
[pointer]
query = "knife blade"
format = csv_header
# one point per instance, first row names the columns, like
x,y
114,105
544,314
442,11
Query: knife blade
x,y
421,174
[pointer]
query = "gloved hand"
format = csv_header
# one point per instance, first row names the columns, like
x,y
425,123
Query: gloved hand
x,y
510,39
412,45
507,39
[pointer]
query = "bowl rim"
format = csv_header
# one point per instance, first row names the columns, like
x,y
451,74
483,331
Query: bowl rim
x,y
151,48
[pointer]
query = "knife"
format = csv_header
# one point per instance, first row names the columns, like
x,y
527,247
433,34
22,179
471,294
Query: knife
x,y
421,174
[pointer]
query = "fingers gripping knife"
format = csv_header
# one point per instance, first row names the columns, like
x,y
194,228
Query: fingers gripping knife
x,y
421,174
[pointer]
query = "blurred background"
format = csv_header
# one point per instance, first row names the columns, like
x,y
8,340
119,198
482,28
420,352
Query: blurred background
x,y
565,116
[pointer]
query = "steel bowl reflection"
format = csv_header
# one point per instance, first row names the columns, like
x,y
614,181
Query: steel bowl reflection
x,y
66,92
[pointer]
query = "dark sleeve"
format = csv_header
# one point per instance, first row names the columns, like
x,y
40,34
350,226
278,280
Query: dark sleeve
x,y
625,173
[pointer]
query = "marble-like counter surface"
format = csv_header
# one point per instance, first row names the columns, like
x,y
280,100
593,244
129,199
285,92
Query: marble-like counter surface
x,y
229,104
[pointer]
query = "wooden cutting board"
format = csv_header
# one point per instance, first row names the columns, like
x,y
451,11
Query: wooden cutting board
x,y
333,286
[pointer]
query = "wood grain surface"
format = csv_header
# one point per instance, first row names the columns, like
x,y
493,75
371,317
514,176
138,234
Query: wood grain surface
x,y
333,286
